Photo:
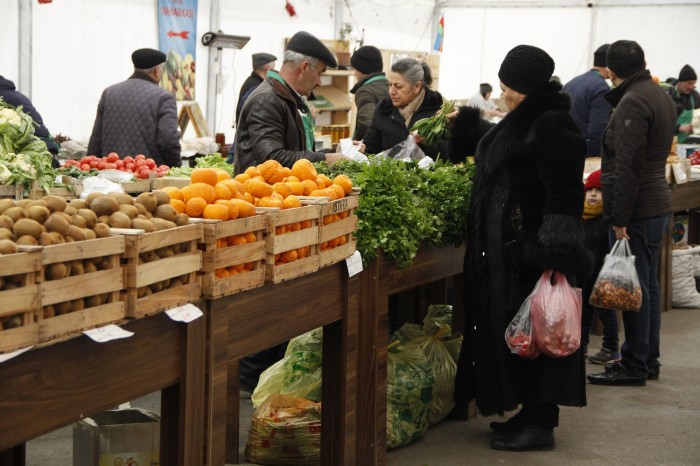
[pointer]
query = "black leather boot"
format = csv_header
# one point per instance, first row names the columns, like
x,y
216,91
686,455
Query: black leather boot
x,y
526,438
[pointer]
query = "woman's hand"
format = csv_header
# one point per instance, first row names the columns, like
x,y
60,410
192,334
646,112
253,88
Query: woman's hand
x,y
620,232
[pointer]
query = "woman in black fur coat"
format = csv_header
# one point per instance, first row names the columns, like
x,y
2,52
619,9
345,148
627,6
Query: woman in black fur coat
x,y
528,194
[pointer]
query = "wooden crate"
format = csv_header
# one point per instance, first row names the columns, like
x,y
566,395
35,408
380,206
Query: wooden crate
x,y
184,265
337,227
21,303
232,256
103,287
12,191
137,186
164,182
36,192
279,243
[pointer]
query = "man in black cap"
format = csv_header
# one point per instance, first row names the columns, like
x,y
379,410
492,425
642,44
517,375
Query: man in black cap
x,y
276,121
372,86
687,99
637,199
262,62
137,116
589,109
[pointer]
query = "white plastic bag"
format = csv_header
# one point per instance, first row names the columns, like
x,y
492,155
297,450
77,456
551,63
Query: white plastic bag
x,y
684,292
617,286
98,184
405,151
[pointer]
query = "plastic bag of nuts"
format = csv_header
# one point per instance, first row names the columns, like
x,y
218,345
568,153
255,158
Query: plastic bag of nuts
x,y
617,286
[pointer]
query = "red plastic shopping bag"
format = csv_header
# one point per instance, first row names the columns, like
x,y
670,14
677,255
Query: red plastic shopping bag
x,y
556,315
519,334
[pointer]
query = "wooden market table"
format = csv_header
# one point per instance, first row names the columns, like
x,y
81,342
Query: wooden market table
x,y
251,321
380,279
53,386
684,197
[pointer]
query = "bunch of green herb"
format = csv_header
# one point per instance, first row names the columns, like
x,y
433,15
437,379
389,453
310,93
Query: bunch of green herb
x,y
214,161
180,172
433,128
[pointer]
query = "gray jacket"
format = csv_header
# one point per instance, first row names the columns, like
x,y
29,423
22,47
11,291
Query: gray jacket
x,y
137,117
367,96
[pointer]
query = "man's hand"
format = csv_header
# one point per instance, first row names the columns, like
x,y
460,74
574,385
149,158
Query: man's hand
x,y
332,157
686,128
620,232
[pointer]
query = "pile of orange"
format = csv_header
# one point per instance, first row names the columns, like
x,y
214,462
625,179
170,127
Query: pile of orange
x,y
235,240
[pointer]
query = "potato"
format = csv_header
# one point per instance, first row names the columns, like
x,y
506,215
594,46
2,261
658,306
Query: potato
x,y
104,205
119,220
7,246
148,200
38,213
58,223
55,203
16,213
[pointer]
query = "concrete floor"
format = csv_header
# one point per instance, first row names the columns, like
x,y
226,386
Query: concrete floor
x,y
654,425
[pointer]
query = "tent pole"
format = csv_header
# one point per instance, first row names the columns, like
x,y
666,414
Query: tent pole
x,y
24,82
214,66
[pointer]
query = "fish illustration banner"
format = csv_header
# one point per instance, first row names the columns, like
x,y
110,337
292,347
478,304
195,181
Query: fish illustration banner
x,y
177,38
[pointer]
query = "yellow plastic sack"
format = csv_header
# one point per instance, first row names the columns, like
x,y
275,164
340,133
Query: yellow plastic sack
x,y
285,430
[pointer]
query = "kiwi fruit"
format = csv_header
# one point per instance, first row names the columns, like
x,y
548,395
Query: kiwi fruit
x,y
89,234
76,268
148,200
7,246
57,237
75,233
129,210
91,197
104,205
58,223
89,267
89,216
70,211
38,212
6,204
56,271
122,198
162,197
27,240
46,239
6,222
62,308
166,212
27,226
6,234
78,204
15,213
119,220
182,220
78,221
161,224
143,224
23,203
102,230
103,219
55,203
49,311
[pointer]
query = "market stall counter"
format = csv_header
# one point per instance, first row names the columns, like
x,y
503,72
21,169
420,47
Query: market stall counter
x,y
378,280
245,323
56,385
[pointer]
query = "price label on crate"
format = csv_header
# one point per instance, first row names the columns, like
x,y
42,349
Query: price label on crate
x,y
186,313
354,263
107,333
7,356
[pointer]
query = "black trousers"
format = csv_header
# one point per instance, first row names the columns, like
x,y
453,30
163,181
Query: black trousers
x,y
543,415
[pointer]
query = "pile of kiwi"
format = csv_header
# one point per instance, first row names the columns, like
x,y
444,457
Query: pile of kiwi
x,y
148,211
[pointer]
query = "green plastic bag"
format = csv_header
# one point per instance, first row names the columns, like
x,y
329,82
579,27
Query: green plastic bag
x,y
409,394
297,374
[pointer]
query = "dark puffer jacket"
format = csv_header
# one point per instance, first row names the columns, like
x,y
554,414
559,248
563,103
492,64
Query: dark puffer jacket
x,y
388,127
367,96
137,117
270,128
635,146
528,190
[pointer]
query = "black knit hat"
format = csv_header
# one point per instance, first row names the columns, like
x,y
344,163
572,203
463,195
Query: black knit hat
x,y
599,55
144,59
687,74
262,59
526,69
367,60
304,43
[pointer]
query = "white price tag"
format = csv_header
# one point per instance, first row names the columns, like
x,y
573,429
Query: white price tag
x,y
14,354
186,313
354,263
107,333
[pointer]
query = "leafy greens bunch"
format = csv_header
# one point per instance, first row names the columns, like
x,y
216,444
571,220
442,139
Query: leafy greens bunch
x,y
435,127
403,206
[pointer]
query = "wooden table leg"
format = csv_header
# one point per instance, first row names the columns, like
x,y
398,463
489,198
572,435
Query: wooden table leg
x,y
216,374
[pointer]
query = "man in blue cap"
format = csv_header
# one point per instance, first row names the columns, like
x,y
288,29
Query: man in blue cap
x,y
137,116
276,121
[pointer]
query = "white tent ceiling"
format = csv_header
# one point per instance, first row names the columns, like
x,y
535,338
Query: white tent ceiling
x,y
79,47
